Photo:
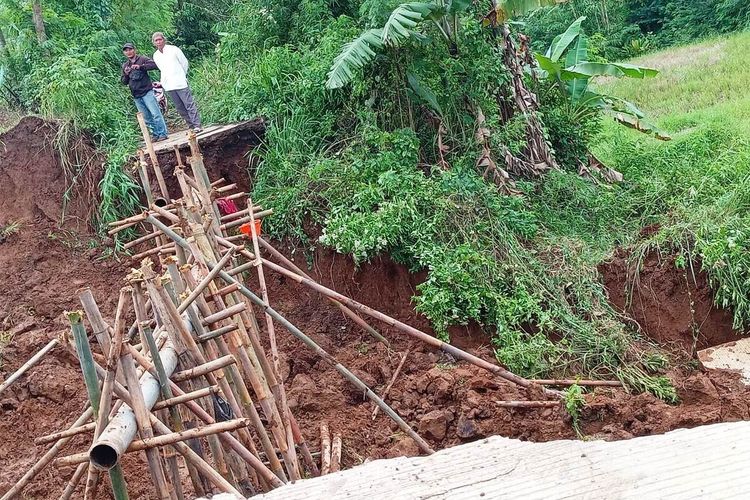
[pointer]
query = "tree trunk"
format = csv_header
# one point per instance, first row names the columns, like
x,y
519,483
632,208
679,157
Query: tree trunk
x,y
41,34
539,157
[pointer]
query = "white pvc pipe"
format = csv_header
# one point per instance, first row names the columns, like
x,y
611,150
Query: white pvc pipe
x,y
106,451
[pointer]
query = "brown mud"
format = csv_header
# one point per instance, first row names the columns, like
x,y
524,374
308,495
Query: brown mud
x,y
42,266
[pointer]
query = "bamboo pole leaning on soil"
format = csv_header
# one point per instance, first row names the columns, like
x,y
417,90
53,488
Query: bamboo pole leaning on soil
x,y
409,330
528,404
348,312
30,363
349,376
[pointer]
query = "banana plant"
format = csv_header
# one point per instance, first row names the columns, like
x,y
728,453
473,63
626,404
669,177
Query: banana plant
x,y
574,72
405,23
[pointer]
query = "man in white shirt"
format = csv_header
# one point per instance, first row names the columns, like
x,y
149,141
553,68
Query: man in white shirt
x,y
174,66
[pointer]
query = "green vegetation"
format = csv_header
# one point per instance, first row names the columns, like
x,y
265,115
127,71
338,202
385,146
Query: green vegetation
x,y
695,188
396,129
627,28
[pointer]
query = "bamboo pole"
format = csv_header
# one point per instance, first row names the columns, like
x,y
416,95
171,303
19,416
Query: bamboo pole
x,y
200,393
270,329
226,188
129,220
144,425
348,312
151,443
74,480
30,363
336,453
240,213
325,449
528,404
204,283
45,459
205,368
311,344
143,173
390,384
591,383
152,155
160,373
224,314
95,320
245,220
119,487
50,438
217,333
113,359
166,248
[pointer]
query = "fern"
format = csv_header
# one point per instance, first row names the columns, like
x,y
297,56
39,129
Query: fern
x,y
354,55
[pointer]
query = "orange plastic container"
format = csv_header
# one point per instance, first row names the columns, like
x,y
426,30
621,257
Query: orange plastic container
x,y
245,228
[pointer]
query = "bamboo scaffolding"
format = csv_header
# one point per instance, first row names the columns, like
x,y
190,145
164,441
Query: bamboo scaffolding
x,y
390,384
29,364
309,342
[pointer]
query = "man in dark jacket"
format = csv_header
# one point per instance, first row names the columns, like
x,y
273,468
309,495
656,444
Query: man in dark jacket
x,y
135,75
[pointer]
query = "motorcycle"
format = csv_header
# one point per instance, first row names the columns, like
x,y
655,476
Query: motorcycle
x,y
161,98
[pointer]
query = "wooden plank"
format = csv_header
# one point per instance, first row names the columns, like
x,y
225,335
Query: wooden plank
x,y
704,462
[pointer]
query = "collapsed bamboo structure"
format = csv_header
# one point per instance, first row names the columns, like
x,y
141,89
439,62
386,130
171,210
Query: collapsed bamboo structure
x,y
190,382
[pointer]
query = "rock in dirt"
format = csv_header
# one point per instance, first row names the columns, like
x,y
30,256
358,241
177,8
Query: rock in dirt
x,y
466,428
435,424
404,447
302,392
698,388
